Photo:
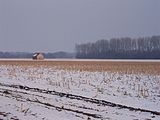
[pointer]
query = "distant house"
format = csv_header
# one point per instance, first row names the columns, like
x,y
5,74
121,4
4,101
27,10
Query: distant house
x,y
38,56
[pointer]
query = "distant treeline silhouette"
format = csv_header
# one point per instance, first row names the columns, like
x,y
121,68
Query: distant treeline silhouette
x,y
121,48
60,54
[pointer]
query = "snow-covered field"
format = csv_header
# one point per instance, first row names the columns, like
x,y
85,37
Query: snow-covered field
x,y
43,92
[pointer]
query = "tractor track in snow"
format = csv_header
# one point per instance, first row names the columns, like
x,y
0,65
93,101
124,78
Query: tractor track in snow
x,y
18,95
77,97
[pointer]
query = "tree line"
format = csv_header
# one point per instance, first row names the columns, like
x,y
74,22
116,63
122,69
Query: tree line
x,y
60,54
121,48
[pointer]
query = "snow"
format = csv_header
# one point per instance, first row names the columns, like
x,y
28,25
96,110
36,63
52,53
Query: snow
x,y
131,90
69,59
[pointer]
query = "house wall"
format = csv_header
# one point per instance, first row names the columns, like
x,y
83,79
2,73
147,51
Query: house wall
x,y
40,57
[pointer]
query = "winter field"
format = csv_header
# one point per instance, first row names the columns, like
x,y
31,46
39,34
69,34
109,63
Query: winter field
x,y
79,90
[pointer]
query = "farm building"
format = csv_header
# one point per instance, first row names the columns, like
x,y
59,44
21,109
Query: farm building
x,y
38,56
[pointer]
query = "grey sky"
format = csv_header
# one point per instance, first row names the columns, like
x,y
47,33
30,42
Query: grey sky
x,y
55,25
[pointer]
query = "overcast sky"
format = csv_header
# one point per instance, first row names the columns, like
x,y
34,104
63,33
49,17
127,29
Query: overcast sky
x,y
57,25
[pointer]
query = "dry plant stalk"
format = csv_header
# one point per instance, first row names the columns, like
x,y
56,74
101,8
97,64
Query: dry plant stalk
x,y
123,67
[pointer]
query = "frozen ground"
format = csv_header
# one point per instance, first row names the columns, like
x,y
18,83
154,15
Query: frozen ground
x,y
48,93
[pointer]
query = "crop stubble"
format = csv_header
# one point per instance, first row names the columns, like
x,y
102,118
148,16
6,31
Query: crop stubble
x,y
112,66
